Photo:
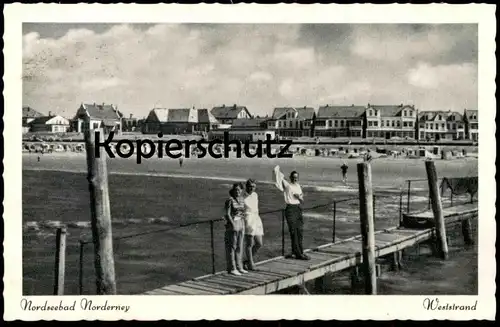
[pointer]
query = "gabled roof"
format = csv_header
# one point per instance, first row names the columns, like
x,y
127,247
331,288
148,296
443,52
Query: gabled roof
x,y
434,115
303,112
248,123
458,116
341,111
470,113
159,114
29,112
181,115
45,119
102,111
230,112
41,120
390,110
206,117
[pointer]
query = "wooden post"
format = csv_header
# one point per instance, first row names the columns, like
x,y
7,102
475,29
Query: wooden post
x,y
212,245
367,226
319,284
100,214
396,260
334,221
60,261
354,274
467,231
408,198
80,268
437,209
283,232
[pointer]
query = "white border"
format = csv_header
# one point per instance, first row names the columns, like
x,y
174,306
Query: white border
x,y
248,307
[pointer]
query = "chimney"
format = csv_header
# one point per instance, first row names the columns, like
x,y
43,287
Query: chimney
x,y
223,106
234,106
130,116
94,104
50,113
103,104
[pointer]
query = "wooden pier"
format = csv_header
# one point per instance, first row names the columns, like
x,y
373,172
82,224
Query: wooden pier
x,y
280,273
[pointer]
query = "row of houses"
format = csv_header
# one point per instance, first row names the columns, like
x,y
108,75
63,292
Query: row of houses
x,y
105,116
354,121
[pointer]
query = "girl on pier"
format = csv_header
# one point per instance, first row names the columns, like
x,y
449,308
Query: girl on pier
x,y
235,229
254,230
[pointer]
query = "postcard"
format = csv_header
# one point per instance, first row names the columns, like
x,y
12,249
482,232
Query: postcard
x,y
249,161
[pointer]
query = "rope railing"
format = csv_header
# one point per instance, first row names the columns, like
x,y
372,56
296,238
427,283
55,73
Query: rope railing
x,y
211,222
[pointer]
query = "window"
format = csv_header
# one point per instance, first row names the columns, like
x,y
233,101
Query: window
x,y
341,123
388,123
370,123
410,123
405,124
375,123
431,126
336,123
392,123
411,113
442,125
382,123
404,113
398,123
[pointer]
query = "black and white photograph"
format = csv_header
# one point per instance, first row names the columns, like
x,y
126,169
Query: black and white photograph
x,y
244,158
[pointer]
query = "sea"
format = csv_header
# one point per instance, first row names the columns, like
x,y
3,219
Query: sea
x,y
149,201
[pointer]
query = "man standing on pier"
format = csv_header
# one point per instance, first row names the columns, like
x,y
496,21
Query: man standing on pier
x,y
293,212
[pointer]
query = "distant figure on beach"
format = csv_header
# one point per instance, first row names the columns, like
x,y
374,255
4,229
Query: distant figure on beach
x,y
368,156
293,211
181,161
344,168
235,229
38,158
254,230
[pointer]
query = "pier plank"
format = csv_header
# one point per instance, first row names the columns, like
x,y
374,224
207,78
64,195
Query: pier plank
x,y
229,282
281,266
239,280
223,286
279,270
387,237
186,290
207,287
279,273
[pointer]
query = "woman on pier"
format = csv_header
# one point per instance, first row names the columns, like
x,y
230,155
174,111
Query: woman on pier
x,y
254,230
235,229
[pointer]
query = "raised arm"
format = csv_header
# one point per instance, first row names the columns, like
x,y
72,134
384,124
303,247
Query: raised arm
x,y
279,179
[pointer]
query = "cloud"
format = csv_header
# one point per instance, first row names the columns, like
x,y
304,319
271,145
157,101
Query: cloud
x,y
433,77
260,66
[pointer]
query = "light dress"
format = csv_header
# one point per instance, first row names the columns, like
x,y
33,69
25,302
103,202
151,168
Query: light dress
x,y
253,223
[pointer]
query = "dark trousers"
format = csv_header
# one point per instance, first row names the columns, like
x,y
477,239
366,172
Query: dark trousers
x,y
295,222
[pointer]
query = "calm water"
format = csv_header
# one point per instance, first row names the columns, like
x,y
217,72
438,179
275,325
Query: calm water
x,y
143,203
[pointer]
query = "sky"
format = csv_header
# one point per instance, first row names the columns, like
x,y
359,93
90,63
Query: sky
x,y
138,67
